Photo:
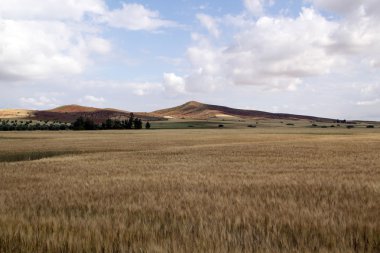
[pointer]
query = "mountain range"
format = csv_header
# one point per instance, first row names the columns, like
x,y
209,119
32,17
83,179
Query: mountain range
x,y
191,110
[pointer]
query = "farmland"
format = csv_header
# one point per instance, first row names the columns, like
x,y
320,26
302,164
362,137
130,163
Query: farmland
x,y
195,190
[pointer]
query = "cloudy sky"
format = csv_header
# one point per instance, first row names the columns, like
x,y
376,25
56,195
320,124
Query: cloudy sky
x,y
316,57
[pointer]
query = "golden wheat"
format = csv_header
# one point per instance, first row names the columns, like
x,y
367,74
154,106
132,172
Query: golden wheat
x,y
190,191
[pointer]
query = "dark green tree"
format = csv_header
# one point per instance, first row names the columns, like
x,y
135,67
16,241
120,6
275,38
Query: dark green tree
x,y
147,125
130,121
89,124
79,124
137,123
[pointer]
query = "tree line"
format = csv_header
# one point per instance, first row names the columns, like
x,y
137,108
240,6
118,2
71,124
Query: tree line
x,y
80,123
130,123
28,125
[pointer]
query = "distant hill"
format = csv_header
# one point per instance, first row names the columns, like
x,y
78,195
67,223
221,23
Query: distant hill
x,y
74,109
70,113
189,110
196,110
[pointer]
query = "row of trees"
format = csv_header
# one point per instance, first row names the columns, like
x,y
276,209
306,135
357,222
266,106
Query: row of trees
x,y
80,124
130,123
14,125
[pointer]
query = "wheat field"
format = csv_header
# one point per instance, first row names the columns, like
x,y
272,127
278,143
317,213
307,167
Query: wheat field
x,y
246,190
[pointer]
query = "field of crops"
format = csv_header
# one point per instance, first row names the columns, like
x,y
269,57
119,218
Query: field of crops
x,y
194,190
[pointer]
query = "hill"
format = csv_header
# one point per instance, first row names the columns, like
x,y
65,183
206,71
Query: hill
x,y
74,109
190,110
70,113
196,110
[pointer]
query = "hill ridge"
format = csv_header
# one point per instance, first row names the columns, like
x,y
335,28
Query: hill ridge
x,y
189,110
198,110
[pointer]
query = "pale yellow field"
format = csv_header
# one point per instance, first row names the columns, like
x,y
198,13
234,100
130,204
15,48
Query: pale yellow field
x,y
246,190
15,113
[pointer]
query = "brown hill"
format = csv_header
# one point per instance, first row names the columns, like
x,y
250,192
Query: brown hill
x,y
196,110
70,113
190,110
74,108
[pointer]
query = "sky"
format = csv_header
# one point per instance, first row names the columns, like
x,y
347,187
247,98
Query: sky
x,y
313,57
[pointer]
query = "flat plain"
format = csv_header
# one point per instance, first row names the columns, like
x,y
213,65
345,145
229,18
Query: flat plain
x,y
193,190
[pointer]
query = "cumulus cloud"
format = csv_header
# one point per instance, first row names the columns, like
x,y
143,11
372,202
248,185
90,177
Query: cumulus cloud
x,y
142,89
40,49
136,17
50,10
273,52
257,7
342,7
349,7
209,23
99,45
173,84
93,99
281,52
54,39
137,88
254,6
39,101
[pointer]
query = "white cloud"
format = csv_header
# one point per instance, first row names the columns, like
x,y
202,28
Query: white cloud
x,y
368,90
47,40
39,101
257,7
337,6
137,88
174,84
136,17
99,45
40,49
350,7
142,89
358,34
209,23
254,6
50,9
281,52
93,99
369,102
274,52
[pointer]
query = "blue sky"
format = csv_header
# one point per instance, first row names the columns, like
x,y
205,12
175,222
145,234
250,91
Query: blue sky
x,y
315,57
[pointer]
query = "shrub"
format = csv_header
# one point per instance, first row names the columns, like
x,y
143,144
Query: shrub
x,y
370,126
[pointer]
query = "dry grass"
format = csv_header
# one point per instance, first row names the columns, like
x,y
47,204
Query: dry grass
x,y
192,191
15,113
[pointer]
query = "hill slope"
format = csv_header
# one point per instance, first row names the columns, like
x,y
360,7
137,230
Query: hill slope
x,y
196,110
70,113
189,110
74,108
